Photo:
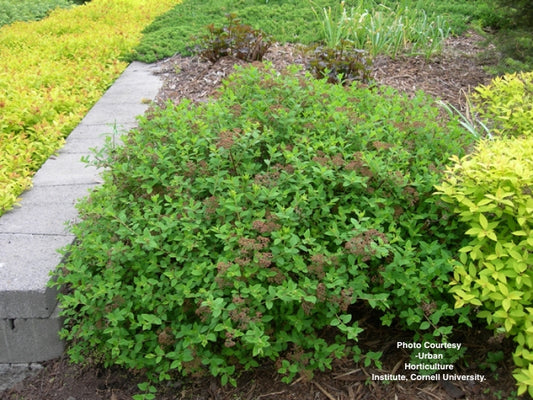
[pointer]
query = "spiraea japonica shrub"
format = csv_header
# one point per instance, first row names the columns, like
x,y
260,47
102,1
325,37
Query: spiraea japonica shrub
x,y
506,104
246,229
491,191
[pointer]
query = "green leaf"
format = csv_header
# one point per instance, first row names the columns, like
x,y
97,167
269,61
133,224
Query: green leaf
x,y
474,231
506,304
516,255
491,235
503,289
483,222
345,318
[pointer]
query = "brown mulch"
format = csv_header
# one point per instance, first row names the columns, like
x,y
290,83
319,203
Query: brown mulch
x,y
448,77
347,380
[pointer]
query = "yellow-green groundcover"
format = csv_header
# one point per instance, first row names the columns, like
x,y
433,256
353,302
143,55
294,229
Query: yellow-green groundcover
x,y
51,73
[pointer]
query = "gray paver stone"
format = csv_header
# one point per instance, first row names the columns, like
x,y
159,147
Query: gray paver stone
x,y
30,340
25,265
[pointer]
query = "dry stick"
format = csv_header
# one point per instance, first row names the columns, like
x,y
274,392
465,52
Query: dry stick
x,y
347,373
329,396
297,380
397,366
351,394
270,394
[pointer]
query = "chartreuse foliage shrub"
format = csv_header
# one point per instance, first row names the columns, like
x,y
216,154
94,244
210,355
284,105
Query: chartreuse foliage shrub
x,y
28,10
507,103
52,71
246,229
491,191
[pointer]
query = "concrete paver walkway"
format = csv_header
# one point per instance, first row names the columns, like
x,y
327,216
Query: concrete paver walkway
x,y
31,234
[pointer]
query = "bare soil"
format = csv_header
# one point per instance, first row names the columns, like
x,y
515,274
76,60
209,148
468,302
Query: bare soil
x,y
448,77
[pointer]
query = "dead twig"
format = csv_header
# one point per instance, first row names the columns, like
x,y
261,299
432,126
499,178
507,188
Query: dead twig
x,y
270,394
324,391
353,371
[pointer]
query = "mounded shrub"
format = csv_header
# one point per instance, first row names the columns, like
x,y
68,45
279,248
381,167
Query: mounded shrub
x,y
507,104
491,190
248,229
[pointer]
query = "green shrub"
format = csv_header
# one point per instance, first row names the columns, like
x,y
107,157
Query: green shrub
x,y
491,191
507,104
52,71
512,50
461,15
28,10
246,229
520,12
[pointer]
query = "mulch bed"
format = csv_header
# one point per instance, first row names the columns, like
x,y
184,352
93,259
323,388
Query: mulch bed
x,y
347,380
448,77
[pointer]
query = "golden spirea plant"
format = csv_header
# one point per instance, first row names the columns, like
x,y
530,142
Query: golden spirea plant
x,y
491,191
507,104
51,73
